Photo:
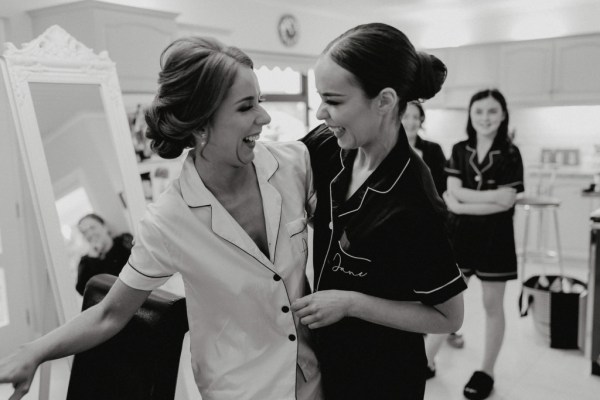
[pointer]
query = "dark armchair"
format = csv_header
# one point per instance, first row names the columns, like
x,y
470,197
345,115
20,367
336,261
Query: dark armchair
x,y
140,362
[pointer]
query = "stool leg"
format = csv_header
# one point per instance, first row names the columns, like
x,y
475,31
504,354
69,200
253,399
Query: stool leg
x,y
558,243
541,238
525,237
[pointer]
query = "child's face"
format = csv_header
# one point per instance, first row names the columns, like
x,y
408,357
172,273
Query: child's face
x,y
486,116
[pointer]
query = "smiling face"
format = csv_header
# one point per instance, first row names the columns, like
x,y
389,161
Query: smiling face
x,y
412,121
237,123
96,234
350,115
486,116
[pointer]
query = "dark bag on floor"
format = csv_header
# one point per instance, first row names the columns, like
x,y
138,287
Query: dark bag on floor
x,y
555,312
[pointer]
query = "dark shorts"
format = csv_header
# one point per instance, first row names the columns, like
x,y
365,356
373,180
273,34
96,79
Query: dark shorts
x,y
485,246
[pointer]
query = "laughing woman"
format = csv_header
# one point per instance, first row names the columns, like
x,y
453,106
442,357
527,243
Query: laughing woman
x,y
384,269
233,225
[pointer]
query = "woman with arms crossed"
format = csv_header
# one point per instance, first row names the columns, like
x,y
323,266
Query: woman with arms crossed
x,y
485,172
233,225
384,269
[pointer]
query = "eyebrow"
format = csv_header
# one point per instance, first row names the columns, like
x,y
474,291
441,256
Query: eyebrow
x,y
328,94
247,98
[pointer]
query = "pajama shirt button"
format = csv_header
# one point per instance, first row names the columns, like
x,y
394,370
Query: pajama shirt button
x,y
276,277
292,338
285,309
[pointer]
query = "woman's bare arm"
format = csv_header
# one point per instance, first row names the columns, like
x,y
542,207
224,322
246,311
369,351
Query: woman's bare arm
x,y
329,306
91,328
503,196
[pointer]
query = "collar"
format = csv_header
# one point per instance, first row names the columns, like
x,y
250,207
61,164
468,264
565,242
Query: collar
x,y
487,162
195,193
381,181
419,143
391,168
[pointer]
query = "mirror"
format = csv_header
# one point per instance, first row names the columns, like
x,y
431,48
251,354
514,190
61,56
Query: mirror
x,y
75,142
81,161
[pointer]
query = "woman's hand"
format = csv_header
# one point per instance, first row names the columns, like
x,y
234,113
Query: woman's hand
x,y
322,308
18,369
452,203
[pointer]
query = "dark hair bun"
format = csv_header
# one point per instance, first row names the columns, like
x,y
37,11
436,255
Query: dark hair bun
x,y
429,78
169,136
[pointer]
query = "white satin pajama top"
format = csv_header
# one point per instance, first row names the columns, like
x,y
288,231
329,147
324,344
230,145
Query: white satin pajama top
x,y
245,341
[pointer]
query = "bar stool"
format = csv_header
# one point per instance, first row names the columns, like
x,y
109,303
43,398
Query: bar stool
x,y
542,201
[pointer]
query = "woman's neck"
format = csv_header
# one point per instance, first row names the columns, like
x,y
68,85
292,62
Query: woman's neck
x,y
221,179
370,156
485,141
412,140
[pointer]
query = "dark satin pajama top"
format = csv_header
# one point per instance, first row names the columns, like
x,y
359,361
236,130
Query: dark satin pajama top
x,y
387,240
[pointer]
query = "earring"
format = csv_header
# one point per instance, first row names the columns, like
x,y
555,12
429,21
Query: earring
x,y
203,139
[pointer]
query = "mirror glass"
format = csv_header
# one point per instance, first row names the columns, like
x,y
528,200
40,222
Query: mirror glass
x,y
82,161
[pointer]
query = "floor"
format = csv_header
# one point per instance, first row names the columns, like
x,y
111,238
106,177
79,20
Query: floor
x,y
527,367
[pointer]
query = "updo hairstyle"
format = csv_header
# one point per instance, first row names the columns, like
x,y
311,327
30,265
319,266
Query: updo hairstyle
x,y
380,56
195,75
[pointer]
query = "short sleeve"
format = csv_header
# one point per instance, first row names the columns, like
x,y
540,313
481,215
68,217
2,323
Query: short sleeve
x,y
149,265
512,174
437,276
454,165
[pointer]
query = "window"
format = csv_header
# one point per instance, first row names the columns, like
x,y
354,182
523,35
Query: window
x,y
286,101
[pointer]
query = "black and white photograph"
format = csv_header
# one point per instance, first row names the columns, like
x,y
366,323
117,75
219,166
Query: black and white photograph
x,y
299,200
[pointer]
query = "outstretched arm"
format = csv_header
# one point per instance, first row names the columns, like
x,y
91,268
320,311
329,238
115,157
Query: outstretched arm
x,y
91,328
329,306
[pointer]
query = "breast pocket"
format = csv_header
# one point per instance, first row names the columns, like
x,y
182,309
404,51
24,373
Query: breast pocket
x,y
298,232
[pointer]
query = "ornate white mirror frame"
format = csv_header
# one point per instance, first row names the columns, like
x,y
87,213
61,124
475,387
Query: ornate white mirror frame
x,y
55,57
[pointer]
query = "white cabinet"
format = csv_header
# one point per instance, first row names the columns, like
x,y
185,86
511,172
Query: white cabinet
x,y
470,69
526,71
577,69
475,69
134,37
563,71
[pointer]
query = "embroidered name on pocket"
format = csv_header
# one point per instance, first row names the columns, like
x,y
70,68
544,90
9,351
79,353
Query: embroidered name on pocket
x,y
348,264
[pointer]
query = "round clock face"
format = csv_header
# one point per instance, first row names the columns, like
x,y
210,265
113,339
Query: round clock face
x,y
288,30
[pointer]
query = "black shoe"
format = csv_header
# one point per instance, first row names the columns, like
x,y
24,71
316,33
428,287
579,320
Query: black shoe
x,y
479,386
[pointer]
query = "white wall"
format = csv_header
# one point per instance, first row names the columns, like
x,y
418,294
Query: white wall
x,y
84,144
576,127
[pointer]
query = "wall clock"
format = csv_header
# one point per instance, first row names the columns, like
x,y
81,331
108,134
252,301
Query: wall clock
x,y
288,30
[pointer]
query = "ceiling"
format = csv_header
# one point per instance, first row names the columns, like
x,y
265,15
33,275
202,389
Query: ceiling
x,y
400,10
429,23
425,10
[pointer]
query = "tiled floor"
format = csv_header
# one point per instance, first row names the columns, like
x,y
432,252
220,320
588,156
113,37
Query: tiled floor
x,y
527,369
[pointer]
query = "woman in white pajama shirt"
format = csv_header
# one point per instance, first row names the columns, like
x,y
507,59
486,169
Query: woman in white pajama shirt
x,y
233,225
